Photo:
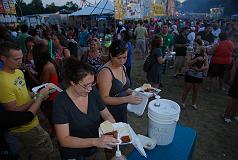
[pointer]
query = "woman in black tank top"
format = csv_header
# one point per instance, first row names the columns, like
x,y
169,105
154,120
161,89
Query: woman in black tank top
x,y
113,83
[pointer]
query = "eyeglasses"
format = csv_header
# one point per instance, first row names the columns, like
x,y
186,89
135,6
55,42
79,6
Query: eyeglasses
x,y
86,87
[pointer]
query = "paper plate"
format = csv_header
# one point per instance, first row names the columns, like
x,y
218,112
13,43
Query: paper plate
x,y
52,90
148,94
122,129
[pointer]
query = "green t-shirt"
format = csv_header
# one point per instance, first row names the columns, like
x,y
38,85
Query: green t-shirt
x,y
21,39
168,41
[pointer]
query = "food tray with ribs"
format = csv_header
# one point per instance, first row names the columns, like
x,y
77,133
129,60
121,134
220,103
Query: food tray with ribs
x,y
119,131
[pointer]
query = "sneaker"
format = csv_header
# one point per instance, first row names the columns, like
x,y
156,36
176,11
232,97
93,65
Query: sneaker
x,y
227,120
183,106
194,106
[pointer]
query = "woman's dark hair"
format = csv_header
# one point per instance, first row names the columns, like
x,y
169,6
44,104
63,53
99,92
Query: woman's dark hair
x,y
198,41
223,36
117,47
29,39
125,35
24,28
45,34
156,42
32,32
63,41
41,56
74,70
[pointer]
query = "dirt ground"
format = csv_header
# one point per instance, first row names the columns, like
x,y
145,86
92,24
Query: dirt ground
x,y
215,139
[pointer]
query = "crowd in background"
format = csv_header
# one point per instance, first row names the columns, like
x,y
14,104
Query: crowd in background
x,y
94,71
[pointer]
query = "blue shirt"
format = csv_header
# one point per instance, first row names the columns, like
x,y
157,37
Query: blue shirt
x,y
83,37
129,53
1,65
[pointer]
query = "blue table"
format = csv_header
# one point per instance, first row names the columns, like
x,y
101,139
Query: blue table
x,y
180,149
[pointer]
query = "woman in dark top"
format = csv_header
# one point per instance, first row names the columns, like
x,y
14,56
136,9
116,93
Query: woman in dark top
x,y
113,83
77,113
231,112
94,56
197,65
155,72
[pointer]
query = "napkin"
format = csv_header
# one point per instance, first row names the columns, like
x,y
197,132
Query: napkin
x,y
136,142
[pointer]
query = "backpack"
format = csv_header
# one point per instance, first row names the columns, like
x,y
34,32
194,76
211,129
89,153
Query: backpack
x,y
148,63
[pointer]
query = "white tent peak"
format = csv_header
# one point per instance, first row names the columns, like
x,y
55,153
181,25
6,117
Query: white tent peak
x,y
102,7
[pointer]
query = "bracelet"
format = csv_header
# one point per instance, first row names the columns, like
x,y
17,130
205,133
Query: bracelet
x,y
35,97
41,96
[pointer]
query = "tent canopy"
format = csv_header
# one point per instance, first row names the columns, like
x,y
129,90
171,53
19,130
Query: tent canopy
x,y
103,7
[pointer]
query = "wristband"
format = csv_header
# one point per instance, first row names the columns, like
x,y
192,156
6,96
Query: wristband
x,y
41,96
35,97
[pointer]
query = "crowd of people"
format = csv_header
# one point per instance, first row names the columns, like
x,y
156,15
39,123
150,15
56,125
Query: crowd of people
x,y
95,76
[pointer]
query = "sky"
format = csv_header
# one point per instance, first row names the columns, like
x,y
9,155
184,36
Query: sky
x,y
62,2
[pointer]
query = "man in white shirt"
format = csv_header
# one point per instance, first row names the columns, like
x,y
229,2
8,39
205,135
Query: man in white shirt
x,y
191,36
216,31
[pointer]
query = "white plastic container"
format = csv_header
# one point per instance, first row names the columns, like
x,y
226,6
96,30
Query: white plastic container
x,y
162,120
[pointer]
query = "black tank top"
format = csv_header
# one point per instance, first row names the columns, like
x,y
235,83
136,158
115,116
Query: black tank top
x,y
118,89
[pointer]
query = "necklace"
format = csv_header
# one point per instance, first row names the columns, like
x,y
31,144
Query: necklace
x,y
122,75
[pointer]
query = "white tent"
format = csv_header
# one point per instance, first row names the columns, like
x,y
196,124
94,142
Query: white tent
x,y
103,7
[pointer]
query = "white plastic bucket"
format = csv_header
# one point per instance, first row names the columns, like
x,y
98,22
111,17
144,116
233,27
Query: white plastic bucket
x,y
163,120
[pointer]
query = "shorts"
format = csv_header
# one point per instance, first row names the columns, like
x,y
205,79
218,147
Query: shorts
x,y
35,144
217,70
140,45
179,62
191,79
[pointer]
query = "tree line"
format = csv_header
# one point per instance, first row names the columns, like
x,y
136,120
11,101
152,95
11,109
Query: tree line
x,y
36,7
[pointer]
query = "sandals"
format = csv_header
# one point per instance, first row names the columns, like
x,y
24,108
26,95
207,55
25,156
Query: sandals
x,y
183,106
194,106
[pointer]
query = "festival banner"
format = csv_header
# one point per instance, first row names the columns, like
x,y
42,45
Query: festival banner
x,y
132,11
118,9
6,7
12,6
1,7
147,9
157,10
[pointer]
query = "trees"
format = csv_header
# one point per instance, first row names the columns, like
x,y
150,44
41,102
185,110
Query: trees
x,y
36,7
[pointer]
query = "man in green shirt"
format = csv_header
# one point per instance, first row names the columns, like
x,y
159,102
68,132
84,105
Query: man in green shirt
x,y
168,42
22,38
168,39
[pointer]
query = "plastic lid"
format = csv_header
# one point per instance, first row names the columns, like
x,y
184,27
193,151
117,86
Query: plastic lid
x,y
166,108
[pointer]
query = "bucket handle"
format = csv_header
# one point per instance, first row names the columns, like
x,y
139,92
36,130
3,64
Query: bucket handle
x,y
177,119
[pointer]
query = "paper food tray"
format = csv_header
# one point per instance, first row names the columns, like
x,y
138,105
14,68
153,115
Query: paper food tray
x,y
122,129
53,86
138,109
148,94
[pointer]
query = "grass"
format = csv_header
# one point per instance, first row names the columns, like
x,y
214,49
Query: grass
x,y
216,140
